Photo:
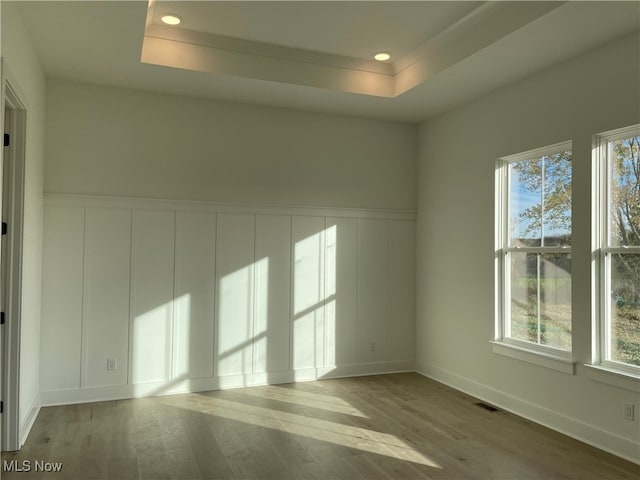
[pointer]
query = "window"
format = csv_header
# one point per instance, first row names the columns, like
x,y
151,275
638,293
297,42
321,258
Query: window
x,y
533,261
617,244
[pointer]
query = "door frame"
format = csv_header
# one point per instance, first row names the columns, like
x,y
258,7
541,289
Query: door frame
x,y
11,278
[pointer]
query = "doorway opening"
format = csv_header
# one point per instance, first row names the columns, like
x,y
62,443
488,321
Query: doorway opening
x,y
12,185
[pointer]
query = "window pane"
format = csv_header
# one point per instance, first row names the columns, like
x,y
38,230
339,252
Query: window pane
x,y
524,296
625,308
525,194
540,201
541,298
555,300
624,209
556,205
538,283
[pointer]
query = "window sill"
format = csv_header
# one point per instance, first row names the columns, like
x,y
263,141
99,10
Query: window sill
x,y
613,377
542,359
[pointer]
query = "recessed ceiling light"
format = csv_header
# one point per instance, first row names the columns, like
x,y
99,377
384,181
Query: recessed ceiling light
x,y
382,56
170,19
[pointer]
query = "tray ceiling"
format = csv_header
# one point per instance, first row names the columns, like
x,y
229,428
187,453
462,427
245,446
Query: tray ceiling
x,y
318,55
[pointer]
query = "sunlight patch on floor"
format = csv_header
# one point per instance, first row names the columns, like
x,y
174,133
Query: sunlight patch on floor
x,y
344,435
307,399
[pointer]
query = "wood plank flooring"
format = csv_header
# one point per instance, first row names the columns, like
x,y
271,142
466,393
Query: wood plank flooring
x,y
400,426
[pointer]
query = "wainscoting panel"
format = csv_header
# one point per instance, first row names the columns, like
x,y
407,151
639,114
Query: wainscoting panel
x,y
374,321
105,315
402,304
272,294
194,298
235,293
62,297
146,297
307,271
341,290
152,274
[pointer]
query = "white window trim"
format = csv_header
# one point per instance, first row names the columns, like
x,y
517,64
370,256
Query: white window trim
x,y
548,357
603,370
502,344
615,378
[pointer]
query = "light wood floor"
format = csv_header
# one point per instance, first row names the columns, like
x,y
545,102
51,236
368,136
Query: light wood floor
x,y
387,426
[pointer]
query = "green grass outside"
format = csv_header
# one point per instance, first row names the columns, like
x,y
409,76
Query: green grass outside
x,y
555,329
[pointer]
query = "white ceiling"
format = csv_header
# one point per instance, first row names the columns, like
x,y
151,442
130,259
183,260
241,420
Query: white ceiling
x,y
317,55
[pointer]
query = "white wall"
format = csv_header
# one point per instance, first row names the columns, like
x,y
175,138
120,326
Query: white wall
x,y
22,69
192,296
202,296
595,92
110,141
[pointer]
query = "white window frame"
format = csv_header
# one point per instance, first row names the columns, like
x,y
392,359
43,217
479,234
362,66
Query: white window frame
x,y
601,278
503,343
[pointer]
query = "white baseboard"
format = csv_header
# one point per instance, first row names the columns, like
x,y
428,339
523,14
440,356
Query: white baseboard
x,y
120,392
589,434
29,419
374,368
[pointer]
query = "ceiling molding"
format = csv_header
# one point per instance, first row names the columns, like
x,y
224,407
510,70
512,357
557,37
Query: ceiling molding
x,y
239,45
481,28
265,62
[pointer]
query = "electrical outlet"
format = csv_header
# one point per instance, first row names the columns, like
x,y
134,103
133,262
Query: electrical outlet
x,y
112,364
629,411
372,346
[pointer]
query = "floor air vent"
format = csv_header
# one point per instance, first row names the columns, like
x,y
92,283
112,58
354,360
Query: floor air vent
x,y
486,406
